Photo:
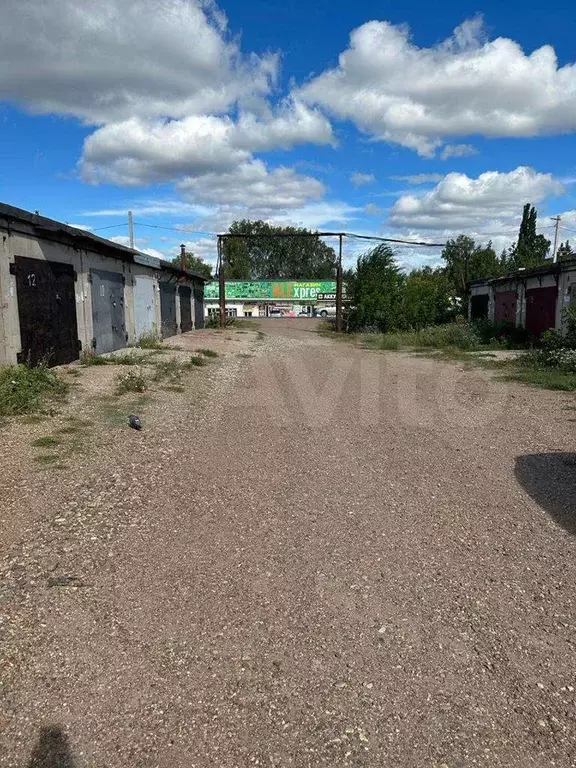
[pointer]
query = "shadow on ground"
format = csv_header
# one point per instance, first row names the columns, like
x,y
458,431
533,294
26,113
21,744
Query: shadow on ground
x,y
550,478
52,749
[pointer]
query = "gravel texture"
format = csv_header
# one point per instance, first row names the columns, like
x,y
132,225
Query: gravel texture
x,y
313,555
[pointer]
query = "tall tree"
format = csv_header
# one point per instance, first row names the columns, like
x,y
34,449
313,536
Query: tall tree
x,y
266,257
467,261
195,264
530,249
377,291
428,298
565,252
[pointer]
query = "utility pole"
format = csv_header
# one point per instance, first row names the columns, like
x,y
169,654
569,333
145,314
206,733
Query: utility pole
x,y
182,256
221,283
339,287
555,251
131,229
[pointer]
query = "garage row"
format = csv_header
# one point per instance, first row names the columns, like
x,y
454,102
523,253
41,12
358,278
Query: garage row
x,y
533,299
65,291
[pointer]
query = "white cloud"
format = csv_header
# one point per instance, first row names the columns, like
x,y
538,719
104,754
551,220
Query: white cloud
x,y
118,59
457,150
373,210
84,227
138,151
252,185
466,85
360,179
459,203
420,178
151,208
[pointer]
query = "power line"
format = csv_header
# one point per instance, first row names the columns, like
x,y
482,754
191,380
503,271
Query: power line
x,y
110,226
177,229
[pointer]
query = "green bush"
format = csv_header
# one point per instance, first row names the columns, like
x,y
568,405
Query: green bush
x,y
24,388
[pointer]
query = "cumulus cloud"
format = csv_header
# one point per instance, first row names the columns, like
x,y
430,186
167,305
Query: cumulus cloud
x,y
138,151
360,179
116,59
460,203
466,85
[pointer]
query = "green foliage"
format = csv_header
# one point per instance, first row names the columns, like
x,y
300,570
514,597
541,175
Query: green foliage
x,y
24,389
207,352
276,258
530,250
168,369
88,359
377,291
133,381
149,341
428,298
565,252
194,264
44,442
196,360
451,335
467,261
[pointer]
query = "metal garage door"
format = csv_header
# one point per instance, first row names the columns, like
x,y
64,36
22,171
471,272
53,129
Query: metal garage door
x,y
185,308
505,307
144,313
168,309
47,311
541,309
108,311
199,307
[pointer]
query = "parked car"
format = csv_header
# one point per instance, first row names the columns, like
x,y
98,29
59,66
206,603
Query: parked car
x,y
324,311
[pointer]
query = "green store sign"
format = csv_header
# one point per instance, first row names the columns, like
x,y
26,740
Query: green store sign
x,y
295,290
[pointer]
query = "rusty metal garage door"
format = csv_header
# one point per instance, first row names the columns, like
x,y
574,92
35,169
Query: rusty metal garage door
x,y
185,308
168,309
541,309
47,311
505,307
199,307
109,325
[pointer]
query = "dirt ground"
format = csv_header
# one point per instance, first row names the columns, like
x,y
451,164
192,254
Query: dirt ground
x,y
311,555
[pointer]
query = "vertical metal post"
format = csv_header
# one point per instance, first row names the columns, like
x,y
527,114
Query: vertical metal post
x,y
557,219
131,229
182,256
221,283
339,287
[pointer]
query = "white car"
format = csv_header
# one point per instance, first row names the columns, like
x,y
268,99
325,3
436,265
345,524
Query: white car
x,y
325,311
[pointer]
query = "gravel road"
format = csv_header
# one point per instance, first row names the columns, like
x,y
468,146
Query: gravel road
x,y
315,555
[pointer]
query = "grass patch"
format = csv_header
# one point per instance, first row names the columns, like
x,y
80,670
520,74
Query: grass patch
x,y
542,378
207,352
128,358
24,389
87,359
133,381
149,341
45,442
197,360
173,388
260,335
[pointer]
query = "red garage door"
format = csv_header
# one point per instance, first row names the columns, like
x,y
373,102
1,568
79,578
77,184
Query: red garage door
x,y
505,307
541,309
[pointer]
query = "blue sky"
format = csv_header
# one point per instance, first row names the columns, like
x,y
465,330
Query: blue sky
x,y
395,119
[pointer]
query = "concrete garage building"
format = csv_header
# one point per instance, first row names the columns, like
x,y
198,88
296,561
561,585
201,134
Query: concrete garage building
x,y
64,291
534,299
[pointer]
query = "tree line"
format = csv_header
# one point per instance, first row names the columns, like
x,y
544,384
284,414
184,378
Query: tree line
x,y
383,296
